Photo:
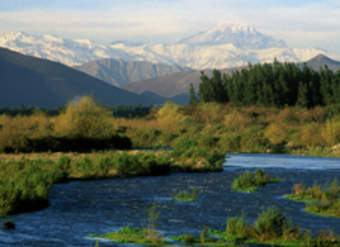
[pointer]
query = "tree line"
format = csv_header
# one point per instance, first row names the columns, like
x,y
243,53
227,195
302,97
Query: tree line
x,y
130,111
276,84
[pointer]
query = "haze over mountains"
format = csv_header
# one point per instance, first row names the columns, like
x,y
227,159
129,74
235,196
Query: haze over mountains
x,y
223,46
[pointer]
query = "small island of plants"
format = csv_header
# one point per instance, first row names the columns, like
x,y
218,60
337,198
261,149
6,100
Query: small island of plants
x,y
186,196
130,235
320,200
249,182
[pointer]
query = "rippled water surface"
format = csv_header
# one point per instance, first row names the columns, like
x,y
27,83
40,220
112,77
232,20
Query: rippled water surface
x,y
79,208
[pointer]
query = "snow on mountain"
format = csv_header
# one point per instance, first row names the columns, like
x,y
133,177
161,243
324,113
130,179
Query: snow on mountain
x,y
217,56
241,36
220,47
67,51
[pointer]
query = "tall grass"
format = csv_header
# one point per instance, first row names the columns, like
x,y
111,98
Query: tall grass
x,y
324,200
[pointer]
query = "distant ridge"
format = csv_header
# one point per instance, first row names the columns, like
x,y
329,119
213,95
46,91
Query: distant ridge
x,y
240,36
119,72
321,60
171,85
178,83
30,81
222,46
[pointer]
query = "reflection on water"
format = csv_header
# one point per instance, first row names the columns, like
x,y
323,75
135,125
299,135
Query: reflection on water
x,y
79,208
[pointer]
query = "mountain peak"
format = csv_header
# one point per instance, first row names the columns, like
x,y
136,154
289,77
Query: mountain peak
x,y
241,36
225,27
321,60
321,57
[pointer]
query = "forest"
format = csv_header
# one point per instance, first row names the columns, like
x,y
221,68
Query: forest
x,y
276,84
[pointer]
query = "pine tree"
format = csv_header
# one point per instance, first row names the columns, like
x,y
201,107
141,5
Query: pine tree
x,y
193,98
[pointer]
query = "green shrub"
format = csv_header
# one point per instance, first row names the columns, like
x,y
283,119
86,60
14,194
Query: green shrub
x,y
270,224
249,182
324,200
237,226
187,150
323,239
141,164
230,142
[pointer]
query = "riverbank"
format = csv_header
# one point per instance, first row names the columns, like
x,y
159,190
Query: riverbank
x,y
32,175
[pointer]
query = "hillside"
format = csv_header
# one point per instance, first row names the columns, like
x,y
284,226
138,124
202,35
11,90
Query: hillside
x,y
171,85
321,60
31,81
119,72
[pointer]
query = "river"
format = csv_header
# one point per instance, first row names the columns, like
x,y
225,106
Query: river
x,y
82,207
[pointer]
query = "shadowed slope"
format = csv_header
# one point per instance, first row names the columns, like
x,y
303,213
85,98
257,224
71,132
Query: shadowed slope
x,y
30,81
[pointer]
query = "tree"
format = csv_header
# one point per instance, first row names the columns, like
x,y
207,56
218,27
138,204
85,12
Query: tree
x,y
193,98
212,89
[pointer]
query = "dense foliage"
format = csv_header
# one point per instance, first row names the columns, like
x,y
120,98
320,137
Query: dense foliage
x,y
201,128
277,84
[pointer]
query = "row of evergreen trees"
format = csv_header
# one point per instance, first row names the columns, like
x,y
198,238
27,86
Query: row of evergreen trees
x,y
276,84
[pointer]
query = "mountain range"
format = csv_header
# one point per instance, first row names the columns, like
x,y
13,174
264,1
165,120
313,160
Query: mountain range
x,y
179,83
131,74
223,46
119,72
30,81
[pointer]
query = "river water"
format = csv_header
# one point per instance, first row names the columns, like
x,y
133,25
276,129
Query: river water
x,y
83,207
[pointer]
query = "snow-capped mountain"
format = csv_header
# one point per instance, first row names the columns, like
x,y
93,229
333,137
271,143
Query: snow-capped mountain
x,y
241,36
67,51
221,47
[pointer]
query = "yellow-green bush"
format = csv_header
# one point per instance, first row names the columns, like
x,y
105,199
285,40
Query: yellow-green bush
x,y
211,112
170,117
277,133
331,132
84,118
237,120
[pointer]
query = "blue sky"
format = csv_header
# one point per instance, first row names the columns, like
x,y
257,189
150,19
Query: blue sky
x,y
300,23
